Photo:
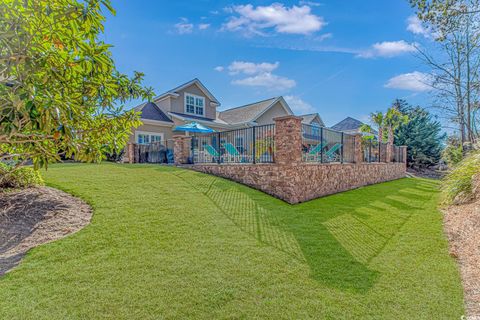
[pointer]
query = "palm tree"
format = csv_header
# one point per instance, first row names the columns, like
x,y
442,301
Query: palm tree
x,y
378,119
365,128
392,120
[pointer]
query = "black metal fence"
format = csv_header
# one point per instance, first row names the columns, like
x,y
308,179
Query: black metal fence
x,y
155,152
249,145
373,151
323,145
398,154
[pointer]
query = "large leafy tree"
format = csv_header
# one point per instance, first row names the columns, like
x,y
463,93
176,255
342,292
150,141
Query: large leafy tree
x,y
422,135
60,92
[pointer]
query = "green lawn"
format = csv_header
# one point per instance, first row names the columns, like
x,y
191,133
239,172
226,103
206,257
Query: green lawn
x,y
175,244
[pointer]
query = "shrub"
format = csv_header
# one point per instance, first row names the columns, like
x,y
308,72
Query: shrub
x,y
23,177
453,153
458,184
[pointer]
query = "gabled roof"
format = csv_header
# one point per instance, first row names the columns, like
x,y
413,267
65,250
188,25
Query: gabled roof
x,y
252,111
348,123
308,118
173,92
150,111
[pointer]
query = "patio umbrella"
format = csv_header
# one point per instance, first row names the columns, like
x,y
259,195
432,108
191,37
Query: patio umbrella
x,y
194,127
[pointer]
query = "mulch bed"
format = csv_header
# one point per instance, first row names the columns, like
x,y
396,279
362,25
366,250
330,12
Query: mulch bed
x,y
462,226
34,216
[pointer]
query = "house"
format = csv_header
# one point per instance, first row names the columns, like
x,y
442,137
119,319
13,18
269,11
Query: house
x,y
192,101
313,119
349,125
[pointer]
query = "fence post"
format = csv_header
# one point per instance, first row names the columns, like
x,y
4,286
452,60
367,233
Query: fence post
x,y
380,152
341,150
288,140
218,147
404,155
254,148
389,152
192,149
321,141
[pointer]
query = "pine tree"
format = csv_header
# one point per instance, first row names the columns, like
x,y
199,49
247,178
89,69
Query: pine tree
x,y
422,134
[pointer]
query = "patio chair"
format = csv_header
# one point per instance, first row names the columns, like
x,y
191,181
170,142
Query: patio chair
x,y
331,154
233,154
212,152
312,154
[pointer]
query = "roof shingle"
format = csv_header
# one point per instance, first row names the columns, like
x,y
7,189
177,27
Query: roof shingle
x,y
151,111
348,123
245,113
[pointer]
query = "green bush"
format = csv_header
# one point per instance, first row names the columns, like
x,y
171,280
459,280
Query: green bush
x,y
458,184
453,153
23,177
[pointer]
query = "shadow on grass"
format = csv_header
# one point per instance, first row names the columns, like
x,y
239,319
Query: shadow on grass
x,y
336,236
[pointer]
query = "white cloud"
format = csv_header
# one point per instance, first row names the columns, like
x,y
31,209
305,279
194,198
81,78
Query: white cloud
x,y
310,3
414,81
259,75
324,36
184,27
415,26
237,67
291,20
203,26
219,68
267,80
299,106
388,49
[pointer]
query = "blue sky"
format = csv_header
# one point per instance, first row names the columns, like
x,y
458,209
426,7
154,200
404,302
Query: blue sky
x,y
337,58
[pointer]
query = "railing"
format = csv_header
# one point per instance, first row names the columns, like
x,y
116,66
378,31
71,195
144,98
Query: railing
x,y
377,152
398,154
155,152
249,145
322,145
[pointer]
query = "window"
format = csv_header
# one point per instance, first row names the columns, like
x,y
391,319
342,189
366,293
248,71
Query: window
x,y
194,104
143,138
315,129
155,138
147,137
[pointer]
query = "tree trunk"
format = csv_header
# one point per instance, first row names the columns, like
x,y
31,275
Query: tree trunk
x,y
380,134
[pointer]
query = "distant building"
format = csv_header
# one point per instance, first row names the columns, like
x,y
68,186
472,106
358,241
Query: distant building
x,y
349,125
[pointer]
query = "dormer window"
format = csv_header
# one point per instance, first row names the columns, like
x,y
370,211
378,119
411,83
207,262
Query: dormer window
x,y
194,104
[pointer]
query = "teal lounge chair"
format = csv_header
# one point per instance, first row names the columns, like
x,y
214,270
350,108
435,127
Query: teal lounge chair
x,y
233,154
314,151
212,152
231,150
331,153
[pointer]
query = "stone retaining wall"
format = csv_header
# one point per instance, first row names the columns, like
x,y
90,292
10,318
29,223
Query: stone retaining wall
x,y
305,181
293,180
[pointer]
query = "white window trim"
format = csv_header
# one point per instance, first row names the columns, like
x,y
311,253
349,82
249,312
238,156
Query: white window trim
x,y
194,96
161,134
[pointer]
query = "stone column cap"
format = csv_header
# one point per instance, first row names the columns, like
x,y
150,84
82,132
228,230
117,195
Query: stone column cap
x,y
288,117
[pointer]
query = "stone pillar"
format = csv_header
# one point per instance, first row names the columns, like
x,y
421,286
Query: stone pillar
x,y
358,156
131,152
181,149
288,140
